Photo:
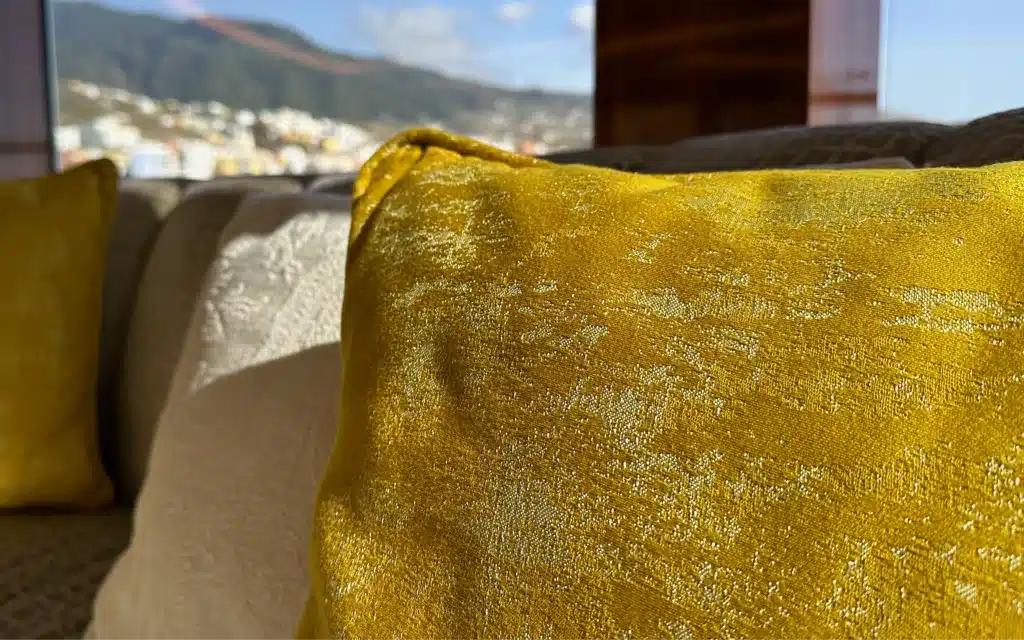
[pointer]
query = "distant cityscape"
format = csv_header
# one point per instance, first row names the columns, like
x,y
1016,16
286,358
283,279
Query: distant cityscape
x,y
150,138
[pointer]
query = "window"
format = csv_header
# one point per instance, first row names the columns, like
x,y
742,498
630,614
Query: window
x,y
198,88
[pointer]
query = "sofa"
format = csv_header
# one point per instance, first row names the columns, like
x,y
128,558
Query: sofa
x,y
164,239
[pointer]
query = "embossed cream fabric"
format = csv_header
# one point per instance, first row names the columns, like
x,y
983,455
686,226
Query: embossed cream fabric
x,y
167,292
221,538
267,293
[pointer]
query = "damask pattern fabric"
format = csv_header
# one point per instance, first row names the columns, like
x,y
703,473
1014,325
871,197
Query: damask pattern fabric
x,y
274,289
167,293
584,403
221,536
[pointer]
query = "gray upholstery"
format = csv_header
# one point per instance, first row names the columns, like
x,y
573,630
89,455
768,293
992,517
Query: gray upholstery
x,y
51,566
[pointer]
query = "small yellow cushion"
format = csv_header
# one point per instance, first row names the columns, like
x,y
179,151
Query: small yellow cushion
x,y
53,248
585,403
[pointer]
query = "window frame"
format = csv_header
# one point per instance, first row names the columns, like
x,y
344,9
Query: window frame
x,y
29,113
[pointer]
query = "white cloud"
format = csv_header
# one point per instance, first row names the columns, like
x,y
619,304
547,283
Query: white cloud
x,y
582,17
527,64
430,37
515,11
448,40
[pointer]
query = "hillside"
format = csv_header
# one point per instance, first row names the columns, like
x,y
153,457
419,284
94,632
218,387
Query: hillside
x,y
165,58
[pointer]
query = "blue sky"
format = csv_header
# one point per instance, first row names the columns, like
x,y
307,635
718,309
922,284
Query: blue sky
x,y
541,43
942,59
952,59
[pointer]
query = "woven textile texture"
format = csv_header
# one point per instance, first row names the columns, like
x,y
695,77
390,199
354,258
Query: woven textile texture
x,y
578,403
51,565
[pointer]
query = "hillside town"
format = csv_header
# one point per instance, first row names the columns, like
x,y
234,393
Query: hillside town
x,y
149,138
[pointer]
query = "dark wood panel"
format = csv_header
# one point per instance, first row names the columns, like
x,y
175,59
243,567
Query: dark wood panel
x,y
669,69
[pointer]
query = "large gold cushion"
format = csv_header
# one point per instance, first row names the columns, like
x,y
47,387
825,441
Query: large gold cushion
x,y
584,403
53,249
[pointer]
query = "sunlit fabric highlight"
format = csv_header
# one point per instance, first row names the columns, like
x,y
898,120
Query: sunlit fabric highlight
x,y
585,403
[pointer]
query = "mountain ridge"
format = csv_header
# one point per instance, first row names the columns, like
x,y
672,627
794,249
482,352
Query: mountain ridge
x,y
183,59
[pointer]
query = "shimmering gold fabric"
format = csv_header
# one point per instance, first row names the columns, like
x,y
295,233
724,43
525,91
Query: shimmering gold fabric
x,y
585,403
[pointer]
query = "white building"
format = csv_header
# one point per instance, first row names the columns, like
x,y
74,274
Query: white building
x,y
245,118
294,159
350,137
198,160
217,109
241,137
68,138
146,105
111,131
152,161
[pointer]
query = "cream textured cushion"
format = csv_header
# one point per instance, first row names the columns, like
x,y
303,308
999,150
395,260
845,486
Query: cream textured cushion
x,y
167,291
224,519
142,206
